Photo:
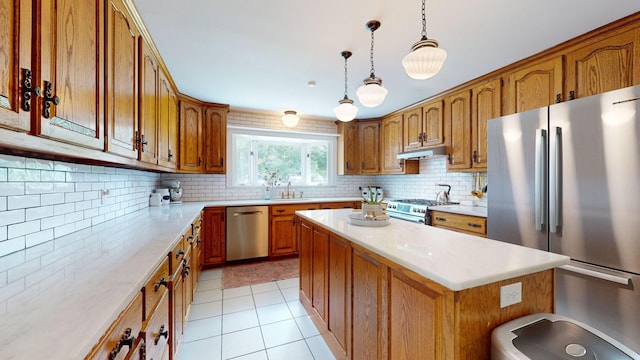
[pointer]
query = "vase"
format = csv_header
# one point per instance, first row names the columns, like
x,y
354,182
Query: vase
x,y
372,209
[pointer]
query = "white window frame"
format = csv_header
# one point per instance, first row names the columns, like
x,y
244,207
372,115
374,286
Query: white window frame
x,y
238,130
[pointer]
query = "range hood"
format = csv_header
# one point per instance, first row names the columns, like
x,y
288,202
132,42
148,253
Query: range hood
x,y
423,153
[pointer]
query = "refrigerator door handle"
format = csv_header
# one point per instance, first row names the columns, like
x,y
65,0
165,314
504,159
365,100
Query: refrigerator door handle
x,y
596,274
555,186
539,178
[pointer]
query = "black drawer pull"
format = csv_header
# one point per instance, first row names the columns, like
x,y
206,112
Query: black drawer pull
x,y
474,225
160,282
179,253
126,340
441,218
163,332
280,210
190,239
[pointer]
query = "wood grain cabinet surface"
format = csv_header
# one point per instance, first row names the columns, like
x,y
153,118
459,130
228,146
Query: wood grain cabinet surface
x,y
369,145
474,225
348,148
458,130
534,85
369,307
213,236
148,128
391,136
283,235
167,124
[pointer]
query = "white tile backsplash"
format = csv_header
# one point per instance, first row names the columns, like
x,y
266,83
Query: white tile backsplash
x,y
41,199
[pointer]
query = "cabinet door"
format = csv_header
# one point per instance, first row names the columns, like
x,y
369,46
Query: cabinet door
x,y
319,269
15,57
177,313
306,257
412,129
348,148
148,105
190,136
534,86
214,236
71,35
215,139
459,130
604,64
369,132
391,145
369,340
122,81
340,290
486,104
167,124
283,235
433,120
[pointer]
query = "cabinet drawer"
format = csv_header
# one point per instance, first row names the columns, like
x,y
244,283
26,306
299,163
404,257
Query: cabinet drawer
x,y
121,338
341,205
465,223
291,209
155,287
156,329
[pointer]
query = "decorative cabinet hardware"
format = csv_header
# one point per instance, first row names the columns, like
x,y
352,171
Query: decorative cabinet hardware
x,y
170,154
143,142
49,98
163,332
450,158
189,239
140,141
179,253
475,157
474,225
27,89
558,98
185,271
160,282
127,339
441,218
572,95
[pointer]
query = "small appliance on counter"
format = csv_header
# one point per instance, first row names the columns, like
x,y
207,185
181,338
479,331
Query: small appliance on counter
x,y
175,190
164,193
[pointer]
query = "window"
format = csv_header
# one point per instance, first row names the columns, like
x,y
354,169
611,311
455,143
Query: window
x,y
301,158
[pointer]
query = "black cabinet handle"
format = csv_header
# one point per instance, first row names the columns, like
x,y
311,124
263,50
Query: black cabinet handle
x,y
179,253
163,332
49,98
189,239
160,282
441,218
27,89
474,225
170,154
126,340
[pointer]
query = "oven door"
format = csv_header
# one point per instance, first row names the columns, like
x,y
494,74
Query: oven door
x,y
415,219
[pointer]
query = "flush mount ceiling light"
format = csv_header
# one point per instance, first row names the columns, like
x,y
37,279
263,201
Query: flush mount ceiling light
x,y
345,111
372,94
290,118
425,58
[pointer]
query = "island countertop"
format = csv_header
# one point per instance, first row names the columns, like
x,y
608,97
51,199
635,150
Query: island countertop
x,y
455,260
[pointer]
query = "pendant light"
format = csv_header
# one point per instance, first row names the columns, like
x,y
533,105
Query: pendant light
x,y
372,94
425,58
345,111
290,118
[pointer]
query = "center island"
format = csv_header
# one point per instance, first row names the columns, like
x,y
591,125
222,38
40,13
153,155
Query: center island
x,y
410,291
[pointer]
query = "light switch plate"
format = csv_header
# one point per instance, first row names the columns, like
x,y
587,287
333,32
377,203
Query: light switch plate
x,y
510,294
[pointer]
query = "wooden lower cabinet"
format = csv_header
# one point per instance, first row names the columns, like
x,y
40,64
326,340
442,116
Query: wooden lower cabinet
x,y
156,330
177,314
213,236
283,239
376,309
473,225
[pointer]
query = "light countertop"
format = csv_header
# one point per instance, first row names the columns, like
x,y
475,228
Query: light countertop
x,y
480,211
455,260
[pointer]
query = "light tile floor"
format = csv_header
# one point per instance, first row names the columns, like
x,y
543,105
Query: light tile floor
x,y
257,322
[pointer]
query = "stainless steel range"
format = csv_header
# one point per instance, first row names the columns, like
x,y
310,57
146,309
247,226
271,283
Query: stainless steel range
x,y
415,210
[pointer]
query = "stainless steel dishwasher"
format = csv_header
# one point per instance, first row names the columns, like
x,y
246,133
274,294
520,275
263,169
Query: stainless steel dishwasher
x,y
247,232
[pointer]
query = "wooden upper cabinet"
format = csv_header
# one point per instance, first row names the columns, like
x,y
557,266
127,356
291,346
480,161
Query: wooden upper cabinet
x,y
148,133
15,57
423,126
391,145
214,129
369,140
122,81
486,103
603,64
190,136
458,121
413,129
71,36
534,86
348,148
433,118
167,124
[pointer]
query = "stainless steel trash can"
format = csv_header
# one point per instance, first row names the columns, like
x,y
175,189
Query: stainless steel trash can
x,y
547,336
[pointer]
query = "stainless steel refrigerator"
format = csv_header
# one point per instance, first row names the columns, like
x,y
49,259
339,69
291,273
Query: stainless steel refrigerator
x,y
566,178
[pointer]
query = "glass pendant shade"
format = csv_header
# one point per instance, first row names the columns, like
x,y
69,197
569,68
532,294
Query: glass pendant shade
x,y
425,60
371,93
346,111
290,119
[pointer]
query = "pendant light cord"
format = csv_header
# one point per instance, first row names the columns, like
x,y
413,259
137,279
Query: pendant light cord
x,y
371,56
424,22
345,77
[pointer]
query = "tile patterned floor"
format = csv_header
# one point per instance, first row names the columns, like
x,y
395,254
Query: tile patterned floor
x,y
257,322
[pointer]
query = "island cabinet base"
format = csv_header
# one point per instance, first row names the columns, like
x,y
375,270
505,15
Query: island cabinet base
x,y
373,308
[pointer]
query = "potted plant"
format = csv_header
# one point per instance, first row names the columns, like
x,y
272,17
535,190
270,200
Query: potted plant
x,y
372,204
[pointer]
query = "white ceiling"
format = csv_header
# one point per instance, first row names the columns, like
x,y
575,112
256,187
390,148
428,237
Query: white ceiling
x,y
259,55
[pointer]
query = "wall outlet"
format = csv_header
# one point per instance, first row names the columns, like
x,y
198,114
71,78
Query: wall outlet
x,y
510,294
